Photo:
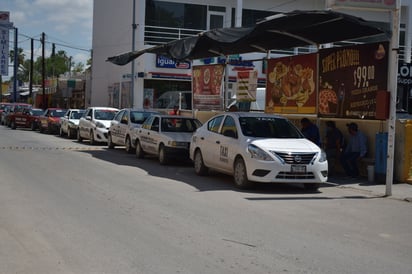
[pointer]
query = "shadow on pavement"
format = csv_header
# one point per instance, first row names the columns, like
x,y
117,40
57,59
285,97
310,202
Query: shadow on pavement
x,y
183,171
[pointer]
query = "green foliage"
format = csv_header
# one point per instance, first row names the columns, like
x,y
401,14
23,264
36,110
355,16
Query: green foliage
x,y
55,65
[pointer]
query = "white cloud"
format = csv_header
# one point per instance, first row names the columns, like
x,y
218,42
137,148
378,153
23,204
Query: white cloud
x,y
65,22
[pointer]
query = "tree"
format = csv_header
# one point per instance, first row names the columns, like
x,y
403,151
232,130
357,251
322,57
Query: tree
x,y
20,57
78,68
57,64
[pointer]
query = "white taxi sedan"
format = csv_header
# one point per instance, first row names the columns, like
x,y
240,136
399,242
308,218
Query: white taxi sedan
x,y
70,121
166,136
257,147
94,124
123,126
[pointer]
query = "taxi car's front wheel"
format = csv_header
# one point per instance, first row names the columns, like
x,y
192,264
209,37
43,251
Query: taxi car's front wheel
x,y
128,144
110,143
240,175
79,137
311,186
139,150
91,139
163,159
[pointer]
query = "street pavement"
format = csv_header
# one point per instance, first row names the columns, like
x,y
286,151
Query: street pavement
x,y
400,191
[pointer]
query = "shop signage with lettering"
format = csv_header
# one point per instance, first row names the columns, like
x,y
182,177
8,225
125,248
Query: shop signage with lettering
x,y
164,62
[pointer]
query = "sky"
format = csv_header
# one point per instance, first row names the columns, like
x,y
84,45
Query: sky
x,y
67,23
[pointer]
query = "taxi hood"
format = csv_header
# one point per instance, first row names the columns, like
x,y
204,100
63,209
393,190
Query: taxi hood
x,y
286,145
106,123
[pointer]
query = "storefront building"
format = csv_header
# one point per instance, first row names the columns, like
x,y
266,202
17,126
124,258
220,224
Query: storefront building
x,y
158,22
118,28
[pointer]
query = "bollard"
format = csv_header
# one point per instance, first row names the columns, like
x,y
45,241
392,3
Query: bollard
x,y
371,174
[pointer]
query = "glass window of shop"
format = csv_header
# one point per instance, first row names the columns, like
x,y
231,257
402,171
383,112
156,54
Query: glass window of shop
x,y
175,15
167,93
251,17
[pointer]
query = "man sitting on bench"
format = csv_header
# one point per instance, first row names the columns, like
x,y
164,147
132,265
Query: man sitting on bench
x,y
355,150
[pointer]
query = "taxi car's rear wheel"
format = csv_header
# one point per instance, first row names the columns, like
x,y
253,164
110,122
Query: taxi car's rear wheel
x,y
162,155
129,148
240,175
139,150
110,143
200,168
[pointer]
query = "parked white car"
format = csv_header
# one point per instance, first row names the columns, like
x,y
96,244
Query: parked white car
x,y
166,136
94,124
122,130
70,121
257,147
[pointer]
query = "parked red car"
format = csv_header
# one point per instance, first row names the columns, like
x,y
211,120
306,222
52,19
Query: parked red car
x,y
10,109
50,120
27,118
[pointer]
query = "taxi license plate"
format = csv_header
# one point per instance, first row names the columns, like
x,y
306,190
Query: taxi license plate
x,y
298,169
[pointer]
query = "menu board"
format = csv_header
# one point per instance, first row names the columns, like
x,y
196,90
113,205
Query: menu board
x,y
350,78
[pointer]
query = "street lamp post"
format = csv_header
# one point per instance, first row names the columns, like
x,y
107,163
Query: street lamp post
x,y
134,26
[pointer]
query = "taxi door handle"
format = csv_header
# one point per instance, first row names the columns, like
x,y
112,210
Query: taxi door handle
x,y
217,142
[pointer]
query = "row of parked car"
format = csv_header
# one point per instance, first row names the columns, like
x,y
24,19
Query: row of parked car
x,y
251,147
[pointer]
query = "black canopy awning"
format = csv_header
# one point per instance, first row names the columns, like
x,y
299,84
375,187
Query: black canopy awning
x,y
280,31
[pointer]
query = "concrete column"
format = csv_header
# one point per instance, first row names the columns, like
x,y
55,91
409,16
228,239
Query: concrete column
x,y
408,34
239,8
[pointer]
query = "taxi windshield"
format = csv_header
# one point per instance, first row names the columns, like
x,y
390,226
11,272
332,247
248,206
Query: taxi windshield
x,y
179,125
268,127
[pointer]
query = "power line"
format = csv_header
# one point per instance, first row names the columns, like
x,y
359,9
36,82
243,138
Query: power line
x,y
52,42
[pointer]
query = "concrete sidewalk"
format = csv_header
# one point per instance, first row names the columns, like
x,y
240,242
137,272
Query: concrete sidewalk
x,y
400,191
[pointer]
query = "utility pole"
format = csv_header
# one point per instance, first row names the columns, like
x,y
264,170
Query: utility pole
x,y
16,65
43,66
31,68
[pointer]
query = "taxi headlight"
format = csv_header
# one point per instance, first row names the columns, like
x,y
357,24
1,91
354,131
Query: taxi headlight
x,y
322,157
258,153
100,125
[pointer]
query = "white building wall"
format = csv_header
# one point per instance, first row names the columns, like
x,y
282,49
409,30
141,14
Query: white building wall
x,y
112,35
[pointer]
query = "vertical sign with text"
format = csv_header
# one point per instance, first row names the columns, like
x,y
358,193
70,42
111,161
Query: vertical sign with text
x,y
350,78
207,87
4,42
246,85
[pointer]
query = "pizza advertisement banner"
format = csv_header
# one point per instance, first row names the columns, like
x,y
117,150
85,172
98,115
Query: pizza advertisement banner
x,y
349,79
291,85
207,83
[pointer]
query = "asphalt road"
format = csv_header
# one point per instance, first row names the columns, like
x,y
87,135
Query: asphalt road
x,y
67,207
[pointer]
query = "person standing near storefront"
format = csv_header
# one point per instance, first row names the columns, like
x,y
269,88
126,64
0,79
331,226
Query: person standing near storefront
x,y
310,130
355,150
333,145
